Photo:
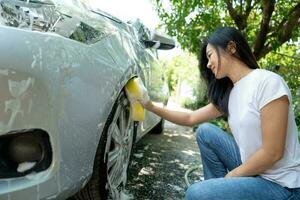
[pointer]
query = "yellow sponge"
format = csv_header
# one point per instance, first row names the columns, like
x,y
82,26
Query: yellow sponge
x,y
134,91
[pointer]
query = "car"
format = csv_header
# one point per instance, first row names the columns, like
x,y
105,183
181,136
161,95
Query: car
x,y
65,120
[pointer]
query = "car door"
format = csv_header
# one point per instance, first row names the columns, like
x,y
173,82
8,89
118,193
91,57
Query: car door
x,y
151,75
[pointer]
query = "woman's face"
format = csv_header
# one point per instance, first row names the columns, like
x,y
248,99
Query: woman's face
x,y
217,66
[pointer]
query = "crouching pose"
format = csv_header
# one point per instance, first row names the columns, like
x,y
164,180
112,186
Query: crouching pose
x,y
262,159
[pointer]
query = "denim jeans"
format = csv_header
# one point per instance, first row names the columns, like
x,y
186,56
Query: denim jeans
x,y
220,154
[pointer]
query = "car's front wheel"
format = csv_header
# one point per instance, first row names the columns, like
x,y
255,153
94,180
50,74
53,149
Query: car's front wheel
x,y
113,155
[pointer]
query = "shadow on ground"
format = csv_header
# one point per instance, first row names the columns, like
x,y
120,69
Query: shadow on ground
x,y
159,164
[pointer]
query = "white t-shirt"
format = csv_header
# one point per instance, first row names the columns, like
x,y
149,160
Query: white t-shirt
x,y
248,96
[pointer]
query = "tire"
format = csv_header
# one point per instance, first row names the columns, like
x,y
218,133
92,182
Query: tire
x,y
158,128
113,155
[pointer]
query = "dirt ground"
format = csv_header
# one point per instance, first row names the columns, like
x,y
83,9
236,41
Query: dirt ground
x,y
160,162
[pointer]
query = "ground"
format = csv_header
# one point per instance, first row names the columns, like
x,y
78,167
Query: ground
x,y
159,164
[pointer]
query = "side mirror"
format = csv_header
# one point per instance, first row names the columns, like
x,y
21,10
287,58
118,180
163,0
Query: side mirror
x,y
160,41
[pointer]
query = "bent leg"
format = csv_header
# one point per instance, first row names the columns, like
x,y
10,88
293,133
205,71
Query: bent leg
x,y
219,151
241,188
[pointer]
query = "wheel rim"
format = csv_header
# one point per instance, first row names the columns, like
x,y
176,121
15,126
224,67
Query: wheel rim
x,y
118,149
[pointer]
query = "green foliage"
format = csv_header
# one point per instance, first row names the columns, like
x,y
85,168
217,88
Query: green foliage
x,y
192,20
223,124
189,22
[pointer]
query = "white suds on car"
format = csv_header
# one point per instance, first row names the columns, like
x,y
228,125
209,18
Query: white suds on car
x,y
25,166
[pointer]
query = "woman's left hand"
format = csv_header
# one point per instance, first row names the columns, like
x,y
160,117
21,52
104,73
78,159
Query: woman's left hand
x,y
230,174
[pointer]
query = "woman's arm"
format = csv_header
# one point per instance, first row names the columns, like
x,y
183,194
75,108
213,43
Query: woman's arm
x,y
191,118
274,118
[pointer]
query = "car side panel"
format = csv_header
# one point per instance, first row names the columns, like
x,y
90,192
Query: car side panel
x,y
69,89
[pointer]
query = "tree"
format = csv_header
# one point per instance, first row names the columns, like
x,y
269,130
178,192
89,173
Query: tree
x,y
268,24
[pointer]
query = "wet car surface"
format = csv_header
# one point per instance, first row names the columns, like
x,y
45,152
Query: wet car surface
x,y
65,119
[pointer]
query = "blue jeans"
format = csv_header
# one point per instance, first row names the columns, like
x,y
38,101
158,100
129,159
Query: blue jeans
x,y
220,154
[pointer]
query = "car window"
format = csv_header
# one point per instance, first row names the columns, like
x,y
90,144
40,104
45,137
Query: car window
x,y
86,34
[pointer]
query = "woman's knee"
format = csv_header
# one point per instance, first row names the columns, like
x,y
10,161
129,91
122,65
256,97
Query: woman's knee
x,y
204,132
192,192
200,190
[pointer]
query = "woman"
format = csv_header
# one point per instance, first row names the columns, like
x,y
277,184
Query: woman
x,y
262,161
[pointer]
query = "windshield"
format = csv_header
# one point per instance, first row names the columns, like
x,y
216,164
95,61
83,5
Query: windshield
x,y
129,10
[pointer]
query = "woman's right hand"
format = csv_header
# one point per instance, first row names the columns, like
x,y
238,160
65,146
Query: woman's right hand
x,y
146,103
145,100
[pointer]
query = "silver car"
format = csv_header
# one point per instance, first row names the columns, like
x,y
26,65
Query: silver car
x,y
65,120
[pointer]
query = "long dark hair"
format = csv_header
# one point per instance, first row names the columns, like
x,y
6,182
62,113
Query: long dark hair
x,y
218,90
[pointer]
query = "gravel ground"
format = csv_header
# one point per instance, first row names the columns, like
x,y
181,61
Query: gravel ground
x,y
160,162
